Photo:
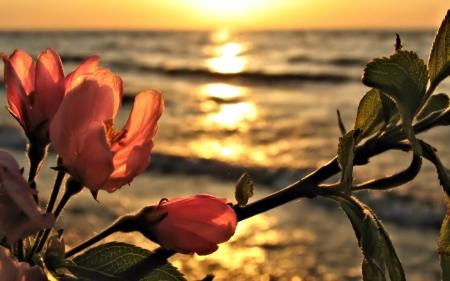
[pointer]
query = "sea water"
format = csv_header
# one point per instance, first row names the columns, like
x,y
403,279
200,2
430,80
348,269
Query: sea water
x,y
263,102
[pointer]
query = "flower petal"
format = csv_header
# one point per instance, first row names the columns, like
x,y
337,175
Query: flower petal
x,y
19,80
17,197
49,86
78,135
103,76
85,68
132,153
12,270
192,225
24,66
8,265
93,162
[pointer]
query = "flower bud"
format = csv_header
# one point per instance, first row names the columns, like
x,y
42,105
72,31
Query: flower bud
x,y
190,225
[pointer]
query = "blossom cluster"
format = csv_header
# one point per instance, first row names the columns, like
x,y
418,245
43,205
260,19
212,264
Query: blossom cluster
x,y
75,114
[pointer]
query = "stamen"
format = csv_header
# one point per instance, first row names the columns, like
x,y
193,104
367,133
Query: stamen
x,y
112,135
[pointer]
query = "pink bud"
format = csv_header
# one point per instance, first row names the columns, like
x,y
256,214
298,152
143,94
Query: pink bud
x,y
193,225
12,270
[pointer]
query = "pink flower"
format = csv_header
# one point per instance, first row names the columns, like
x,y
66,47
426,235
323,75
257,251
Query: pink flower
x,y
12,270
83,134
193,225
20,216
35,91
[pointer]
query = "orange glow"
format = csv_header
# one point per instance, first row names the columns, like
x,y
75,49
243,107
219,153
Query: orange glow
x,y
214,14
221,7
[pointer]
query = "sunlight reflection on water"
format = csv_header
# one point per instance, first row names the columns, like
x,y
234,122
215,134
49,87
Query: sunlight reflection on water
x,y
227,56
225,109
229,113
233,116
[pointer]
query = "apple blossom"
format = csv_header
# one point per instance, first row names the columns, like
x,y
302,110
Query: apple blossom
x,y
35,90
191,225
20,216
83,134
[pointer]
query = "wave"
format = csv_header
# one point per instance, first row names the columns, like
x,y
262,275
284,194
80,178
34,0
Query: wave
x,y
242,77
170,164
335,62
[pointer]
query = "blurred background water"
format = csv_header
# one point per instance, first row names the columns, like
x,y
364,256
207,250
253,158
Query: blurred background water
x,y
263,102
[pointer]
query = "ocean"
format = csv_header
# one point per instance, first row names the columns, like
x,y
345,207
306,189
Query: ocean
x,y
263,102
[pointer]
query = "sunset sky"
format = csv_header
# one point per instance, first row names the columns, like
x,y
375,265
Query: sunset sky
x,y
213,14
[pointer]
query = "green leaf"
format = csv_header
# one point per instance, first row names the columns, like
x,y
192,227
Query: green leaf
x,y
244,189
91,274
403,77
439,62
54,253
370,115
369,272
355,213
435,103
390,111
346,153
340,123
374,241
393,263
372,248
444,235
443,172
115,259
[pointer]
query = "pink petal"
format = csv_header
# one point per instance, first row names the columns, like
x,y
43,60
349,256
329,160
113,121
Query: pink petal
x,y
16,93
25,69
85,68
195,224
78,135
33,273
17,197
103,75
84,104
12,270
137,161
106,79
23,226
132,153
8,265
49,89
93,162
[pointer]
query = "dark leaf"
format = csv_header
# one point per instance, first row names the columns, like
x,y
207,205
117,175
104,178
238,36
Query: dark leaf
x,y
114,258
244,189
439,62
403,77
340,123
370,115
435,103
346,153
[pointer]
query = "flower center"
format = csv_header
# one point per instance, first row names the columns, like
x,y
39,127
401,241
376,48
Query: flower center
x,y
113,135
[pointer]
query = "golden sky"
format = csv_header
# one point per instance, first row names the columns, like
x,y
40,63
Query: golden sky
x,y
212,14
